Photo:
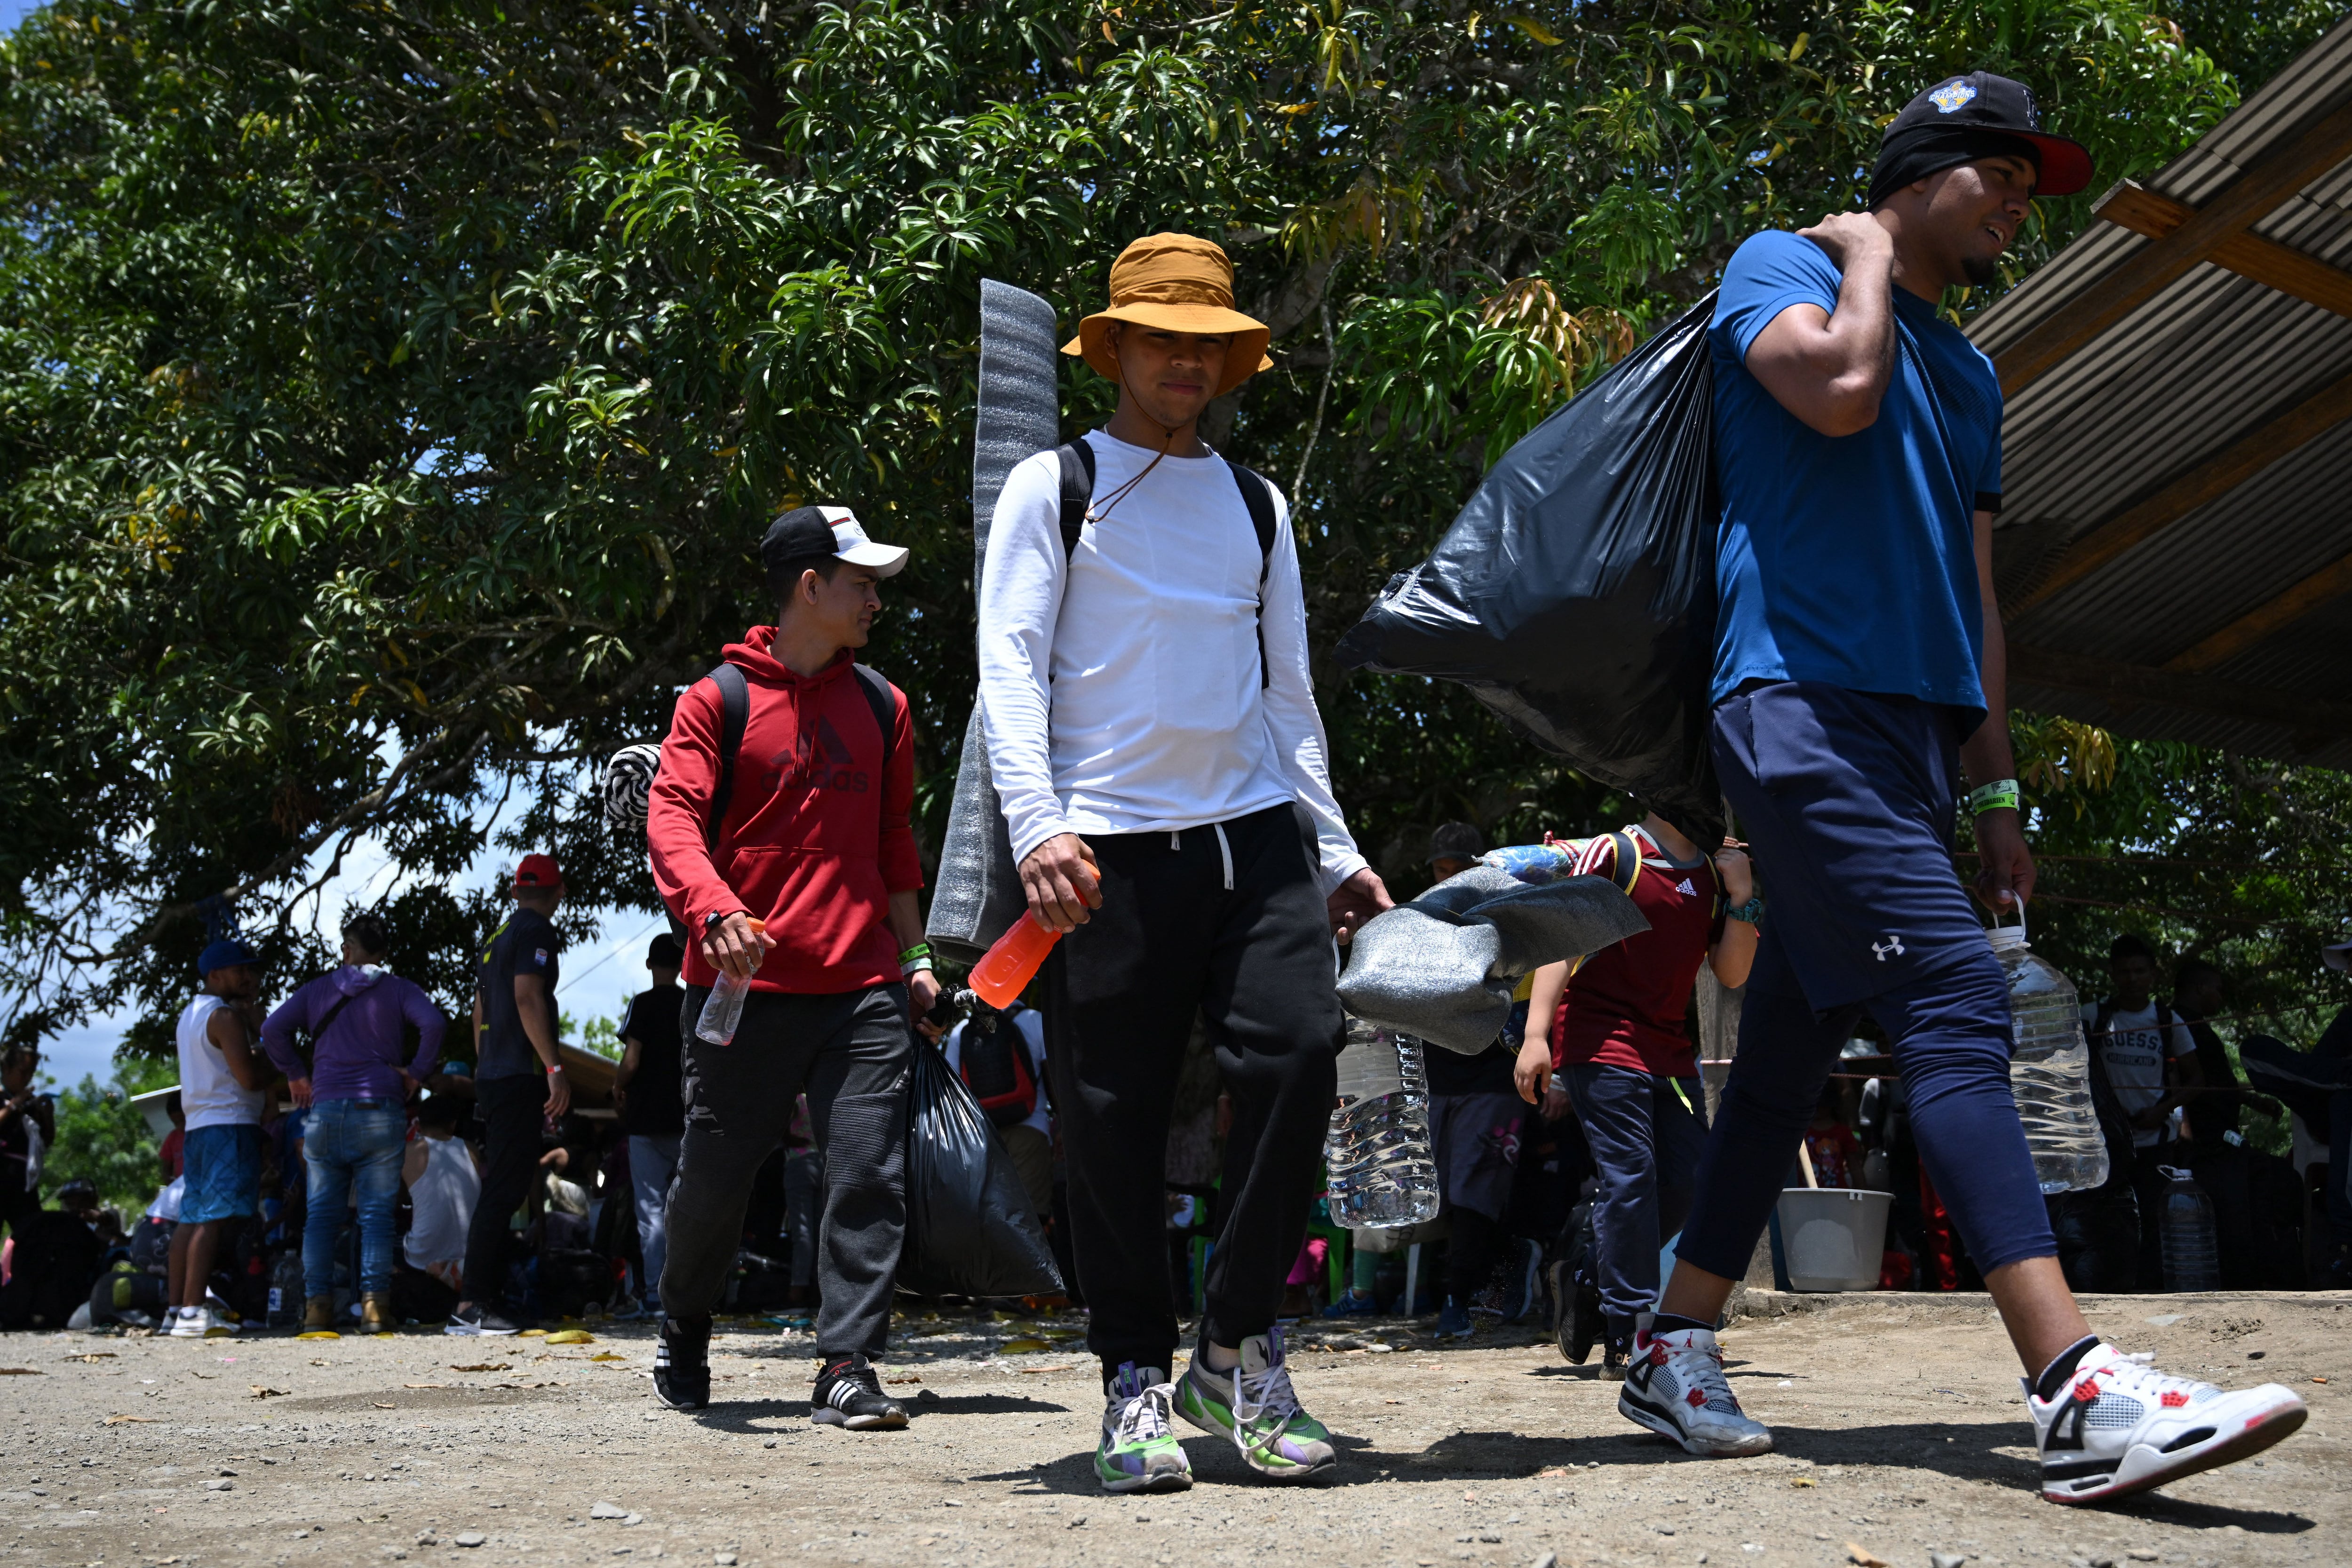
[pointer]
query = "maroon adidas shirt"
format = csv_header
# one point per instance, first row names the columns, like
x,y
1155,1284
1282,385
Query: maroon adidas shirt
x,y
1625,1005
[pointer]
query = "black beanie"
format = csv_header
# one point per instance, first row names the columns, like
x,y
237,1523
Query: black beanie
x,y
1914,151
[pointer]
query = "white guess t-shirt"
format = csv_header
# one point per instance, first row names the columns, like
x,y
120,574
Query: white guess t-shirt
x,y
2134,1051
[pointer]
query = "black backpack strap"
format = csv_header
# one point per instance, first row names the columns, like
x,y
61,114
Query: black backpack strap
x,y
1625,873
878,697
1078,460
734,714
1629,862
1258,496
318,1029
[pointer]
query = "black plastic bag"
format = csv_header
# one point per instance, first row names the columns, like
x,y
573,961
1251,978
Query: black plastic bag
x,y
1575,594
969,1230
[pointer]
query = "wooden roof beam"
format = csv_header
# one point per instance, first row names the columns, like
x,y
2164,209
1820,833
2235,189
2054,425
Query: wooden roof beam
x,y
2328,583
2182,493
2246,201
2311,719
2265,261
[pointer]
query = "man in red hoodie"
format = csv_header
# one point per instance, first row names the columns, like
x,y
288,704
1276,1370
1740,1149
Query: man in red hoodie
x,y
787,855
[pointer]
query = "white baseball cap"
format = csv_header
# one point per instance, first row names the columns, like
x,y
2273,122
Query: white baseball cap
x,y
832,531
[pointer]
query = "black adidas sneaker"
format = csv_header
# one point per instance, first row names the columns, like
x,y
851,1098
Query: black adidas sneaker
x,y
848,1392
682,1363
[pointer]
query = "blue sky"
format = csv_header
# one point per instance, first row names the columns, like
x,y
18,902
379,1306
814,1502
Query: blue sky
x,y
10,11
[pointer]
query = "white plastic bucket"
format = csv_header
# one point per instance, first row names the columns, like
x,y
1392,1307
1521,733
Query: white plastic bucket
x,y
1833,1237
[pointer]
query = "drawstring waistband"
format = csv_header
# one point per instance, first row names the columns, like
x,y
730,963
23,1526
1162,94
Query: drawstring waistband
x,y
1225,849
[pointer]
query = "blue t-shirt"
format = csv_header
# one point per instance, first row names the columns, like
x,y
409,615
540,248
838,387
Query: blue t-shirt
x,y
1851,559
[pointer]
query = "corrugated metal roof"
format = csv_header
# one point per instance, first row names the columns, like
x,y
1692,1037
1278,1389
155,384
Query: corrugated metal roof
x,y
2207,361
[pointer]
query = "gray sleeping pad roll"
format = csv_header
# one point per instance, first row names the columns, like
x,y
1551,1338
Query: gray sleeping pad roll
x,y
978,890
1443,966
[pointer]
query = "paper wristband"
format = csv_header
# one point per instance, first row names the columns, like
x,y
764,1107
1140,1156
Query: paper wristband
x,y
1999,795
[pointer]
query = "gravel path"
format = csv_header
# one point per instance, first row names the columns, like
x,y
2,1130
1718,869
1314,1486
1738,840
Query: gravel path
x,y
1901,1434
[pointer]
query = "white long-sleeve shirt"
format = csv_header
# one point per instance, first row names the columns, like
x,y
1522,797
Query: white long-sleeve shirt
x,y
1120,691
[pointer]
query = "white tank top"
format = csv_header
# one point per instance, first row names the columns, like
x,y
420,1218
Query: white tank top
x,y
209,1093
444,1195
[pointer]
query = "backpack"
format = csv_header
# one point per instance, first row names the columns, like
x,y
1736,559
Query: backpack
x,y
993,1062
977,895
735,713
1078,463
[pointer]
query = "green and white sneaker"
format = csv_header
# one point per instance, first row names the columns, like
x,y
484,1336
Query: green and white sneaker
x,y
1139,1452
1254,1405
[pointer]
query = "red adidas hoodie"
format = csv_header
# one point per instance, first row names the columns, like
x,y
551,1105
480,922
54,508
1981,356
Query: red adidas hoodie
x,y
815,839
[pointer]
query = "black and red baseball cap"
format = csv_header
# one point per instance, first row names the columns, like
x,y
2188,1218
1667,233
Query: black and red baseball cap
x,y
537,872
1964,118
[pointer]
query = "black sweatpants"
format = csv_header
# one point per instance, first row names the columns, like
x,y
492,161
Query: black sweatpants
x,y
850,1051
1227,921
512,1109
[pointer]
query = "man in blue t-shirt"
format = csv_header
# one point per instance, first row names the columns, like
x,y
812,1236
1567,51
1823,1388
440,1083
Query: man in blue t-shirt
x,y
1858,668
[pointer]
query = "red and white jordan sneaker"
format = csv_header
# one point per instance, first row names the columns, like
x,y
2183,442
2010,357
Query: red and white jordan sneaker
x,y
2120,1426
1675,1386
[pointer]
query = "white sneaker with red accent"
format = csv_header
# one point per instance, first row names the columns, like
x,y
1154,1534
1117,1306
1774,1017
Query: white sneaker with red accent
x,y
2119,1425
1675,1386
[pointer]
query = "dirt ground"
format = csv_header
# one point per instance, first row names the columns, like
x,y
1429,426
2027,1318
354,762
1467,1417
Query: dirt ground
x,y
1901,1434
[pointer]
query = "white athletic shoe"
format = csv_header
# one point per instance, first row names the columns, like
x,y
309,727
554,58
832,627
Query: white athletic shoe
x,y
196,1323
2119,1425
1675,1386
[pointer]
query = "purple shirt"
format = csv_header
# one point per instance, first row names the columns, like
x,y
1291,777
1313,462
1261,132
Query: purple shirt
x,y
359,1055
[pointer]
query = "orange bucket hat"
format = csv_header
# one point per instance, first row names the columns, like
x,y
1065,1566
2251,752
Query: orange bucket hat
x,y
1178,284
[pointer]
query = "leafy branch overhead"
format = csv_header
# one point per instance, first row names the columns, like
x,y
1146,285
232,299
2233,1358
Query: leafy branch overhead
x,y
393,391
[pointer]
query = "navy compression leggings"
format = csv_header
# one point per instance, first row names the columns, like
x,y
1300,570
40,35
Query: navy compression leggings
x,y
1951,1034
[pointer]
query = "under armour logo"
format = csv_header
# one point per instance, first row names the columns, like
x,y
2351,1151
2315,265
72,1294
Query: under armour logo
x,y
1891,948
1685,889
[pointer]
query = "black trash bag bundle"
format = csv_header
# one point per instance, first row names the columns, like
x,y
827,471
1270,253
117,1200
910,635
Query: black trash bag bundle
x,y
970,1229
1575,594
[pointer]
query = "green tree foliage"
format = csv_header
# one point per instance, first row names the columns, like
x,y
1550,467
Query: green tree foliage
x,y
2253,40
104,1139
392,389
2240,862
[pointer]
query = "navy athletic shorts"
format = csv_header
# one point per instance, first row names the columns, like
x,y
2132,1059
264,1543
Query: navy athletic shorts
x,y
1848,800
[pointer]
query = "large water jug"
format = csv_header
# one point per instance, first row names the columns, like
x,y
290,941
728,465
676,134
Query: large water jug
x,y
2049,1069
1377,1150
2192,1254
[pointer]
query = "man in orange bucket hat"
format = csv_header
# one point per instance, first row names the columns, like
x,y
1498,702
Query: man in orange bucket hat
x,y
1154,737
1174,283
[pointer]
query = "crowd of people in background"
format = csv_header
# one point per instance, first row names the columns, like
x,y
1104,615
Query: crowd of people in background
x,y
327,1162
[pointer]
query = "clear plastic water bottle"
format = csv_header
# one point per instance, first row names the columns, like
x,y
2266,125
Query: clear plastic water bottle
x,y
1383,1173
2192,1253
722,1010
286,1289
2049,1069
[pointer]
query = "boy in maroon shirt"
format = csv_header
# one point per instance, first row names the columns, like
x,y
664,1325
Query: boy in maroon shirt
x,y
812,840
1617,1042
